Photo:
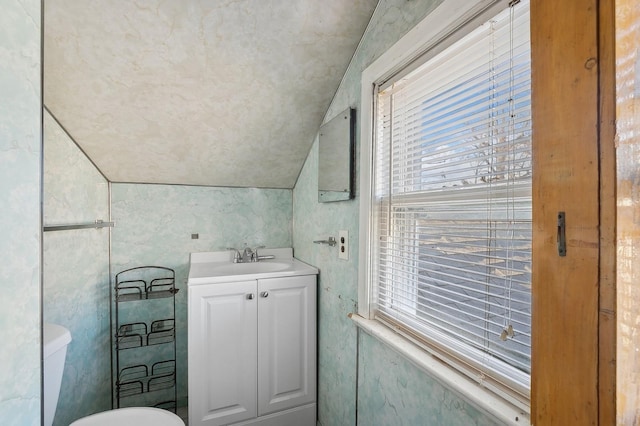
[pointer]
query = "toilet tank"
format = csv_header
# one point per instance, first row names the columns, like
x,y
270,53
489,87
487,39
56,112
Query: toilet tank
x,y
55,341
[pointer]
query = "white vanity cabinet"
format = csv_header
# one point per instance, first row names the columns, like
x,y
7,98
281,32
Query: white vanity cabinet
x,y
252,351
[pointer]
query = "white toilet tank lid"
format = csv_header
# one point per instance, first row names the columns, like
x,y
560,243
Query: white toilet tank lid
x,y
55,338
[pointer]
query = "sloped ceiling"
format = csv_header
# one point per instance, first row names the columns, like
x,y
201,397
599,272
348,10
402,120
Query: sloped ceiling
x,y
203,92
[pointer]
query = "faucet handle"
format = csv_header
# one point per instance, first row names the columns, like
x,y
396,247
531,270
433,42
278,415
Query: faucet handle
x,y
236,255
255,256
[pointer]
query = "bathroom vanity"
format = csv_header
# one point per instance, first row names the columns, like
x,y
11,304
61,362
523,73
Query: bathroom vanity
x,y
252,340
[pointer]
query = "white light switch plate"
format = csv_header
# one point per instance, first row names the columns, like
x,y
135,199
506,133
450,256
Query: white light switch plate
x,y
343,245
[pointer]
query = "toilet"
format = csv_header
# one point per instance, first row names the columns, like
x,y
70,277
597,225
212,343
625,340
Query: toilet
x,y
133,416
56,339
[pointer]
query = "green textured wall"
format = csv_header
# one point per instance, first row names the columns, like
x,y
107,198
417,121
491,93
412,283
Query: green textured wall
x,y
20,157
362,381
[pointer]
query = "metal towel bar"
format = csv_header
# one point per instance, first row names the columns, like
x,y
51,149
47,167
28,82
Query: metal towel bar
x,y
97,224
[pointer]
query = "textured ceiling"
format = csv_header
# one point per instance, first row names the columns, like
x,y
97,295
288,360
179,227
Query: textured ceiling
x,y
204,92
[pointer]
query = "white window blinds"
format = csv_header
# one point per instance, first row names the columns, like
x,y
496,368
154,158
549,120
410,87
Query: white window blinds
x,y
452,208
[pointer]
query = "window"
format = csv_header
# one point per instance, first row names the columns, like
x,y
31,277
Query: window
x,y
449,241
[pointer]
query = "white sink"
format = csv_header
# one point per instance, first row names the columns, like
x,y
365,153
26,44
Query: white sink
x,y
218,267
251,267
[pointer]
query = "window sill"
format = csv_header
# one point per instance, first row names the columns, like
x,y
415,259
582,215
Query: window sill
x,y
486,401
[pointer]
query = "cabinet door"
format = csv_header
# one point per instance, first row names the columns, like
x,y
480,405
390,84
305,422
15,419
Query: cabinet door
x,y
222,353
286,343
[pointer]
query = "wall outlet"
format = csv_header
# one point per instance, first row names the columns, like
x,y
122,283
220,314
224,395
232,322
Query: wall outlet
x,y
343,245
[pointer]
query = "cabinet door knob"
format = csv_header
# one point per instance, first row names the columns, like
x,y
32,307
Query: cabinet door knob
x,y
250,296
265,294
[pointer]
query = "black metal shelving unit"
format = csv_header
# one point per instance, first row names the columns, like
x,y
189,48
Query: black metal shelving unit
x,y
145,338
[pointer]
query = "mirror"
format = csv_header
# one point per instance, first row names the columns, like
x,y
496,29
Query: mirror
x,y
335,158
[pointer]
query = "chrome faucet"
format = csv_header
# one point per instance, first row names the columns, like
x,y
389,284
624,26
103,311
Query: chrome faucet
x,y
248,255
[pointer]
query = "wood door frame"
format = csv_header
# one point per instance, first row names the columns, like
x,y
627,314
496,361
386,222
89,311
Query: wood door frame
x,y
607,322
573,78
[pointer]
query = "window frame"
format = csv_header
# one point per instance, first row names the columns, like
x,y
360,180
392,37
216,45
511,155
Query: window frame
x,y
449,22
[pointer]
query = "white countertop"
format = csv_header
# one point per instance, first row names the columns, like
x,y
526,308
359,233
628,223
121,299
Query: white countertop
x,y
218,267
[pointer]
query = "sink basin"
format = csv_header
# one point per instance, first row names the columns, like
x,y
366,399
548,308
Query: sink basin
x,y
251,268
218,267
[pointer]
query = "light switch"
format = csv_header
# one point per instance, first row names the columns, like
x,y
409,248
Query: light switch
x,y
343,245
